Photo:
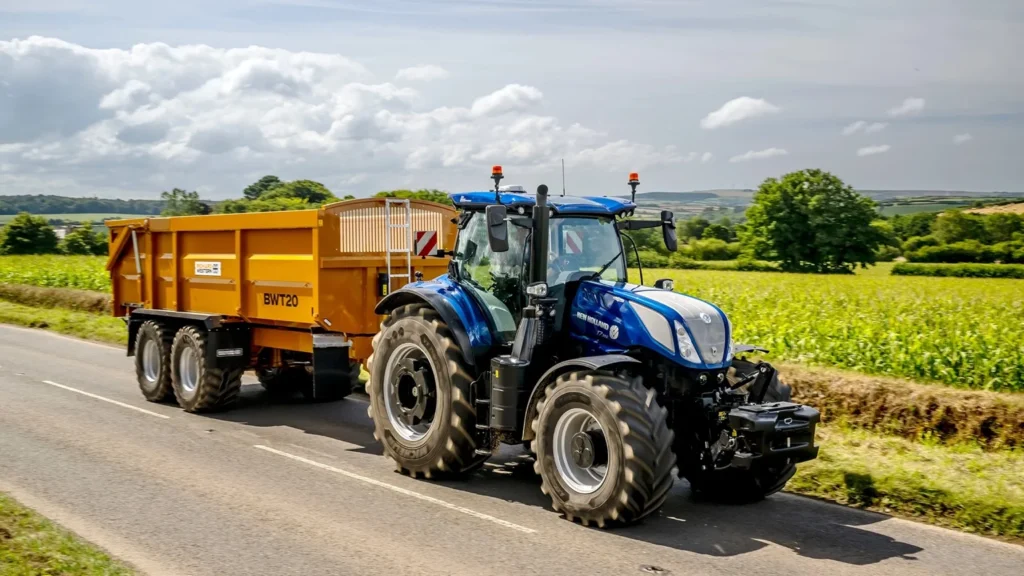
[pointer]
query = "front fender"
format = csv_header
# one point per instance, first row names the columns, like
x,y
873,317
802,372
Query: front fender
x,y
584,363
456,308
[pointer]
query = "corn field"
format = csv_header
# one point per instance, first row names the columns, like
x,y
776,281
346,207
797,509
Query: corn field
x,y
81,272
963,332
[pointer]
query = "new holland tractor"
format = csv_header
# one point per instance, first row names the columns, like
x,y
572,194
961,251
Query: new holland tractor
x,y
535,336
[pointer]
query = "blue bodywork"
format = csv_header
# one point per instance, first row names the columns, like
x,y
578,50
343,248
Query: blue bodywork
x,y
576,205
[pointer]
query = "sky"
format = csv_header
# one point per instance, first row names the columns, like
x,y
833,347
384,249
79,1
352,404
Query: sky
x,y
126,99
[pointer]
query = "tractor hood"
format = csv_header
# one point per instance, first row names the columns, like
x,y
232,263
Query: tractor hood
x,y
615,317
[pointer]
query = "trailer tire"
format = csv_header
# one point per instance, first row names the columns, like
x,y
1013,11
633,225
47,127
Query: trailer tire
x,y
153,361
738,486
416,333
281,382
200,386
637,442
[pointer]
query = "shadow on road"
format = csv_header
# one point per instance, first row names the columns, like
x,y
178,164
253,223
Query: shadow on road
x,y
807,527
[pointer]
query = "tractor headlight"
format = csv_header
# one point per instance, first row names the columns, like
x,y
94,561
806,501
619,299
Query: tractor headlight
x,y
686,348
665,284
537,289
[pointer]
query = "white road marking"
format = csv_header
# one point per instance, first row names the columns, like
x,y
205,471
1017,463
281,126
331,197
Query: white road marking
x,y
399,490
114,402
674,518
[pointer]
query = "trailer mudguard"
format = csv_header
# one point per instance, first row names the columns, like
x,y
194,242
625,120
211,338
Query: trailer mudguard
x,y
458,310
584,363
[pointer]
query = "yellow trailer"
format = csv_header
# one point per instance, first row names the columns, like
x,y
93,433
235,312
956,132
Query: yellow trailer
x,y
290,295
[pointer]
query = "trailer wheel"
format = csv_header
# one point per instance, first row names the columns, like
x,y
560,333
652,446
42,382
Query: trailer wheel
x,y
199,385
282,381
737,486
153,361
419,392
604,449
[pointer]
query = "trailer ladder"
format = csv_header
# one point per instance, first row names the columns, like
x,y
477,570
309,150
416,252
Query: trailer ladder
x,y
389,248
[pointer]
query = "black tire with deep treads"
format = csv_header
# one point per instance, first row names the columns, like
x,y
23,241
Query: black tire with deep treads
x,y
217,388
641,463
161,390
449,446
736,486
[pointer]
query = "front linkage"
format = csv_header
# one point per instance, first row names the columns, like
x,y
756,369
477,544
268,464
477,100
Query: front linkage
x,y
748,432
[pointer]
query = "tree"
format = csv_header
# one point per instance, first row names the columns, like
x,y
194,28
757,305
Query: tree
x,y
179,202
694,227
958,226
909,225
258,188
811,221
717,232
1001,227
263,205
28,234
430,195
313,193
84,240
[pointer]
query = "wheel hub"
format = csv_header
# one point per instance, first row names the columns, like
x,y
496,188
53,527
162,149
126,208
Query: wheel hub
x,y
410,394
589,449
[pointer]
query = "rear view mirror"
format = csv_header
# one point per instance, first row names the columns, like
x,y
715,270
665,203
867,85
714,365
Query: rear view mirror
x,y
497,228
668,230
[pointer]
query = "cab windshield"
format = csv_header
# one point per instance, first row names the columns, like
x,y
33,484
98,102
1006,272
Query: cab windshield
x,y
578,244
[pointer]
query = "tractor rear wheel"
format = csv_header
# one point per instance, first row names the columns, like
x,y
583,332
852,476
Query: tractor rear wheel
x,y
153,361
738,486
419,392
604,449
199,385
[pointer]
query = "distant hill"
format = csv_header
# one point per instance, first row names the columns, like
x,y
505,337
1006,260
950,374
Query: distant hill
x,y
48,204
674,196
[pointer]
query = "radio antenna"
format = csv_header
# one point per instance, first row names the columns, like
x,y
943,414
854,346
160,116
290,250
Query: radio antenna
x,y
563,176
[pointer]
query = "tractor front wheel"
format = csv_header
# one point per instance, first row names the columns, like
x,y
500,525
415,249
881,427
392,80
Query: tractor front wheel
x,y
604,449
419,392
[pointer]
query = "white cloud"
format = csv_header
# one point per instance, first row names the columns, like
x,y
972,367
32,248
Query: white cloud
x,y
424,73
511,98
875,127
706,157
852,129
862,126
737,110
872,150
908,107
962,139
142,119
759,155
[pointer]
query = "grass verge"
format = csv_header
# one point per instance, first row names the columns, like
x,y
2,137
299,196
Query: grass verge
x,y
70,299
960,487
80,324
32,545
931,412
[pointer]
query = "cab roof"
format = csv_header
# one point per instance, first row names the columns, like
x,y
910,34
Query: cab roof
x,y
586,205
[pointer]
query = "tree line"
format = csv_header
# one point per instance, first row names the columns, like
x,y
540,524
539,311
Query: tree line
x,y
48,204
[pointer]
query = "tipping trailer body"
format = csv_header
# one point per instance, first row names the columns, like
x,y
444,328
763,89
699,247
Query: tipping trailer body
x,y
282,279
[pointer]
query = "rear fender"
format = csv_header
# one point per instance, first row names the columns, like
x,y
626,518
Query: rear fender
x,y
456,308
585,363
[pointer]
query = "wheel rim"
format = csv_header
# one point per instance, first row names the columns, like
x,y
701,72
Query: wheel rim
x,y
151,362
410,392
188,371
577,432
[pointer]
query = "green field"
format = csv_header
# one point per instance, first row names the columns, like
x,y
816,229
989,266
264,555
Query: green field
x,y
963,332
82,272
94,218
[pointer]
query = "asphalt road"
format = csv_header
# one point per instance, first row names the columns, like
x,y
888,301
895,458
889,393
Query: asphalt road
x,y
292,488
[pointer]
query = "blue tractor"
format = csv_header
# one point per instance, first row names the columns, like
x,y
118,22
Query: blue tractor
x,y
536,337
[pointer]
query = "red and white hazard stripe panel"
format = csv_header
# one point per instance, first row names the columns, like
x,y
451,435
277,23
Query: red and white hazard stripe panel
x,y
572,242
426,243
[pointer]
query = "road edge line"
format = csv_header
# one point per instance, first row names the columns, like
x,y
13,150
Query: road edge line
x,y
98,397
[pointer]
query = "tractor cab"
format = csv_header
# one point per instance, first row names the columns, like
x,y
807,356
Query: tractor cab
x,y
584,241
